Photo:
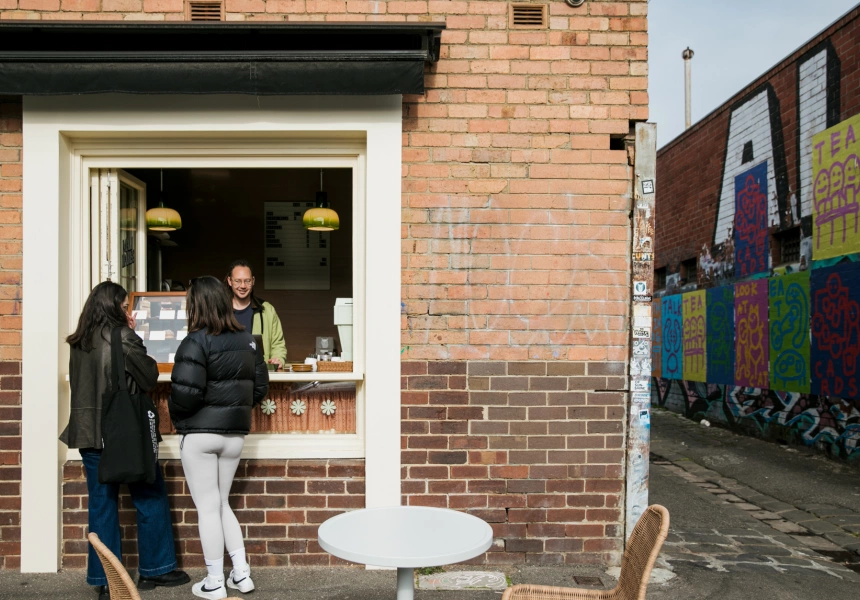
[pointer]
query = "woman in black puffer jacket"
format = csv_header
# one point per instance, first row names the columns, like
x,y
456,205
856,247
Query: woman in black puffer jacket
x,y
218,377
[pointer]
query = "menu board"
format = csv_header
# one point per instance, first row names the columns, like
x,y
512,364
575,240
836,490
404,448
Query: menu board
x,y
161,322
296,259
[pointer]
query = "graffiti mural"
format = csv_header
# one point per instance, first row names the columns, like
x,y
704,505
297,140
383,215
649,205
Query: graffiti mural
x,y
828,423
657,338
694,333
673,350
779,262
720,321
788,299
835,296
836,190
751,344
751,237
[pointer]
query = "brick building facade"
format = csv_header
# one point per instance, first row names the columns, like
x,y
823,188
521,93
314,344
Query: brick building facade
x,y
749,225
516,196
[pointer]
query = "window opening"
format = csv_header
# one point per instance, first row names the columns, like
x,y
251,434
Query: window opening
x,y
304,277
689,271
660,278
787,245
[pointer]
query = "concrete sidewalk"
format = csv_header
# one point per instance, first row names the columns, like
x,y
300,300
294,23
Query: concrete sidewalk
x,y
794,491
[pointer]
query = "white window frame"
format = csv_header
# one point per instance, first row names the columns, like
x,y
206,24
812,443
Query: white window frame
x,y
67,137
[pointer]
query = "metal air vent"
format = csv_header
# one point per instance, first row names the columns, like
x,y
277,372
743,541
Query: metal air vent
x,y
205,10
528,16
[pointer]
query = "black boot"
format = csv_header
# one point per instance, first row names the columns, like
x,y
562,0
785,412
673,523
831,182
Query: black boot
x,y
104,594
174,578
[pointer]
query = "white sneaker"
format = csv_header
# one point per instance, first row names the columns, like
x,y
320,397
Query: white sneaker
x,y
209,588
240,579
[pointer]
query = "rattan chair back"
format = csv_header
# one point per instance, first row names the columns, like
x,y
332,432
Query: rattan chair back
x,y
636,565
641,552
119,583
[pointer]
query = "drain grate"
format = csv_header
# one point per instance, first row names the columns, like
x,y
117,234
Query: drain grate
x,y
583,580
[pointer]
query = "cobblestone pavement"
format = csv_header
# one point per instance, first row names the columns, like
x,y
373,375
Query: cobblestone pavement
x,y
765,532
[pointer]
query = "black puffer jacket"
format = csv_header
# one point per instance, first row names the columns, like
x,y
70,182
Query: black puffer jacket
x,y
217,380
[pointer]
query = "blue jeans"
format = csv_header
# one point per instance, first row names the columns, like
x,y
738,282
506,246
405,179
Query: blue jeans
x,y
155,550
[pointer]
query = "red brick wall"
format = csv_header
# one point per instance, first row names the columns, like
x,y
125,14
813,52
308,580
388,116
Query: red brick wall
x,y
10,331
280,504
534,448
689,167
515,277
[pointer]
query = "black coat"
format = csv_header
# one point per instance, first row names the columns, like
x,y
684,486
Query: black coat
x,y
217,380
90,378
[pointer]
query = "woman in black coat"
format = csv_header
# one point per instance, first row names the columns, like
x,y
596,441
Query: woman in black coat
x,y
90,378
218,377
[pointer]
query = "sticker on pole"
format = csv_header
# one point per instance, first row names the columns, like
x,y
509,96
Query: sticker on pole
x,y
641,348
641,365
648,186
641,397
640,385
642,311
640,288
642,333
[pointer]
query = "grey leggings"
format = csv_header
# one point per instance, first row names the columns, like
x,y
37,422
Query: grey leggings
x,y
209,461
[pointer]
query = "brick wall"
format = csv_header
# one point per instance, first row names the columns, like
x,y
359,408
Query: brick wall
x,y
10,331
515,271
279,504
534,448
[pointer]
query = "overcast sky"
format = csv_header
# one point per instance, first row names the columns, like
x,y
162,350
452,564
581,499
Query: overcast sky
x,y
735,41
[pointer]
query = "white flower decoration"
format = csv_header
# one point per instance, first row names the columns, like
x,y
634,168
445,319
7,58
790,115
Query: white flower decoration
x,y
298,407
328,407
268,407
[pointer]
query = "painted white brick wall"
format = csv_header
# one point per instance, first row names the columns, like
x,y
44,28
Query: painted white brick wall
x,y
812,120
749,122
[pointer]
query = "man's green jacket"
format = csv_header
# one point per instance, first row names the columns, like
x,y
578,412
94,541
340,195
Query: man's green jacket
x,y
268,325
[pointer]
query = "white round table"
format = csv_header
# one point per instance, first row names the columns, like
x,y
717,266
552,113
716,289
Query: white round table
x,y
405,537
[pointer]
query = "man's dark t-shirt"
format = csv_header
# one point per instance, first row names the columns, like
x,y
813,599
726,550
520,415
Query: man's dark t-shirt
x,y
245,317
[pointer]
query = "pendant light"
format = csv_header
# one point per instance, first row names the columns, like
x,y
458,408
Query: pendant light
x,y
321,217
162,218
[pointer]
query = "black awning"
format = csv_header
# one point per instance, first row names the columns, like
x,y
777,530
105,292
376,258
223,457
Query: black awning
x,y
50,58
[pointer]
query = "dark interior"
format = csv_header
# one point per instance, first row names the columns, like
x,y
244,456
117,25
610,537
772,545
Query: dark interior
x,y
222,214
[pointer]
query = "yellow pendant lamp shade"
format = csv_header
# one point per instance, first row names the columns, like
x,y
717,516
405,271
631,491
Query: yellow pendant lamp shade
x,y
321,217
162,218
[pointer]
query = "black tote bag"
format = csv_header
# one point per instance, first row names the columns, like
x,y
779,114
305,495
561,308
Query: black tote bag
x,y
129,427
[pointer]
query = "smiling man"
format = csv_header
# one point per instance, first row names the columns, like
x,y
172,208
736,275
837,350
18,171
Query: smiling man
x,y
257,316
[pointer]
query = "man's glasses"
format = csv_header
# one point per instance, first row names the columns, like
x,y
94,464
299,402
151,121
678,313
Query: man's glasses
x,y
242,281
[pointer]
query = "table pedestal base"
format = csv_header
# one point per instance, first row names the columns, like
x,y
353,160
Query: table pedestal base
x,y
405,584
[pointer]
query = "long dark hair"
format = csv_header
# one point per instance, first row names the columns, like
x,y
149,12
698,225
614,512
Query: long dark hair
x,y
256,302
210,307
102,309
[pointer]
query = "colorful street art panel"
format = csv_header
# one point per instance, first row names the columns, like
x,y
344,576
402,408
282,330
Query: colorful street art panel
x,y
835,298
695,361
751,333
720,321
673,341
751,237
788,299
836,190
657,338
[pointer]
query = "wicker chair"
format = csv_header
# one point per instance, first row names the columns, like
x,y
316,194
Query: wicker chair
x,y
639,557
119,583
